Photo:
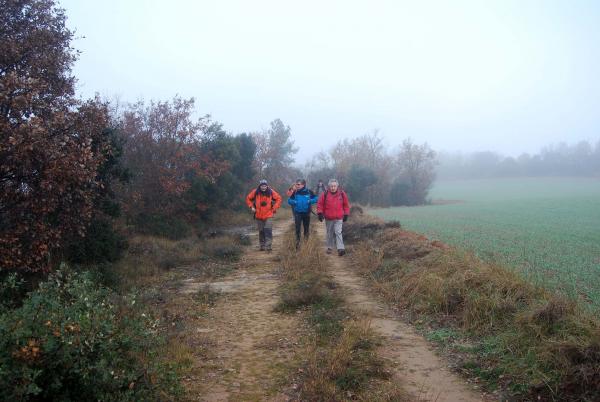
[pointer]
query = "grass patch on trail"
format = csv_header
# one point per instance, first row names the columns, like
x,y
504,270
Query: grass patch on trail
x,y
206,296
341,363
522,340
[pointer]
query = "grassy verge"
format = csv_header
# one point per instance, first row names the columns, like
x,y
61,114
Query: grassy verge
x,y
341,362
523,341
545,228
149,259
155,266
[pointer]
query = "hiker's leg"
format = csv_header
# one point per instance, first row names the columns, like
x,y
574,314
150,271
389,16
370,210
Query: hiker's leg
x,y
297,223
339,241
330,234
268,233
261,233
306,221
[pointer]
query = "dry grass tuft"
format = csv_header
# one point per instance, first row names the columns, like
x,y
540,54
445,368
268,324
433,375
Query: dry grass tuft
x,y
306,282
341,362
308,258
530,341
350,369
227,248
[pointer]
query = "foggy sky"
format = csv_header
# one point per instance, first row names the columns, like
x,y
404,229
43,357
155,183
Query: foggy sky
x,y
508,76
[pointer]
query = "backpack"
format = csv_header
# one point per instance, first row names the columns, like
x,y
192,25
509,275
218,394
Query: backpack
x,y
344,196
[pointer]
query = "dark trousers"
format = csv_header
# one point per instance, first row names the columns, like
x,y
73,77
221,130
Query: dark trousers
x,y
265,233
302,218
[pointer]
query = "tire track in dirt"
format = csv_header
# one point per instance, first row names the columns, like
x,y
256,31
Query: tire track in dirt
x,y
414,362
252,347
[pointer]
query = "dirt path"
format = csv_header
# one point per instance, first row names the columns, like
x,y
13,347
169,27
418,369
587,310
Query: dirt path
x,y
417,367
248,349
251,347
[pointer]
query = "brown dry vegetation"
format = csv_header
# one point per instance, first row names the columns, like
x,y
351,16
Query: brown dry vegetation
x,y
341,362
523,341
149,258
156,268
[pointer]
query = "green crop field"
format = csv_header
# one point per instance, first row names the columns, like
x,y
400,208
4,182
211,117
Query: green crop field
x,y
547,228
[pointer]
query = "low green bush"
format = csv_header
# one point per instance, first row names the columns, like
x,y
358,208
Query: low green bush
x,y
327,317
12,290
244,240
105,274
74,340
229,252
224,248
101,244
307,290
164,226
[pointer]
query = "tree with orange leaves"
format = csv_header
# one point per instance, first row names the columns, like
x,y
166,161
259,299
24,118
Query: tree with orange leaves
x,y
51,145
167,151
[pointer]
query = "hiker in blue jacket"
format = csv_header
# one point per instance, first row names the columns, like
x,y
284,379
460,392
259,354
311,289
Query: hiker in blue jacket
x,y
301,201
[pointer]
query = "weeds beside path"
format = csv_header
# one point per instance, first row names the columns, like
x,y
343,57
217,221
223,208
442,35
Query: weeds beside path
x,y
518,341
414,363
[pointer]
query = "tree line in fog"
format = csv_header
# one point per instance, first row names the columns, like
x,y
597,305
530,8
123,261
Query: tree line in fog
x,y
581,159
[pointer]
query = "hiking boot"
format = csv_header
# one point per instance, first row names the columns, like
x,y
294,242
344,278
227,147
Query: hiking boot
x,y
262,248
341,252
328,251
269,249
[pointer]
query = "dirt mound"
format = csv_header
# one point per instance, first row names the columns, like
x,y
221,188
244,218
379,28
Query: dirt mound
x,y
389,238
356,210
364,227
406,245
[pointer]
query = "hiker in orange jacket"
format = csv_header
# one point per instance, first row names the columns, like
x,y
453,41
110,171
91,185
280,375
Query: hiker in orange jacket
x,y
264,202
291,190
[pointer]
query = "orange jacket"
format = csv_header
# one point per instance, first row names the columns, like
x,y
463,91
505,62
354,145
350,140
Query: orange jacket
x,y
265,204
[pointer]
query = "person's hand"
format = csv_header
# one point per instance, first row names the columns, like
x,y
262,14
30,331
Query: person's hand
x,y
345,218
253,209
321,217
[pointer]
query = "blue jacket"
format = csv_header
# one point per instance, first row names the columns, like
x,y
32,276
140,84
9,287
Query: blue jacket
x,y
302,200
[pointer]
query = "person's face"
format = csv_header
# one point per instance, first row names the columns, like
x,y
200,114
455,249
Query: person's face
x,y
333,187
299,186
263,187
